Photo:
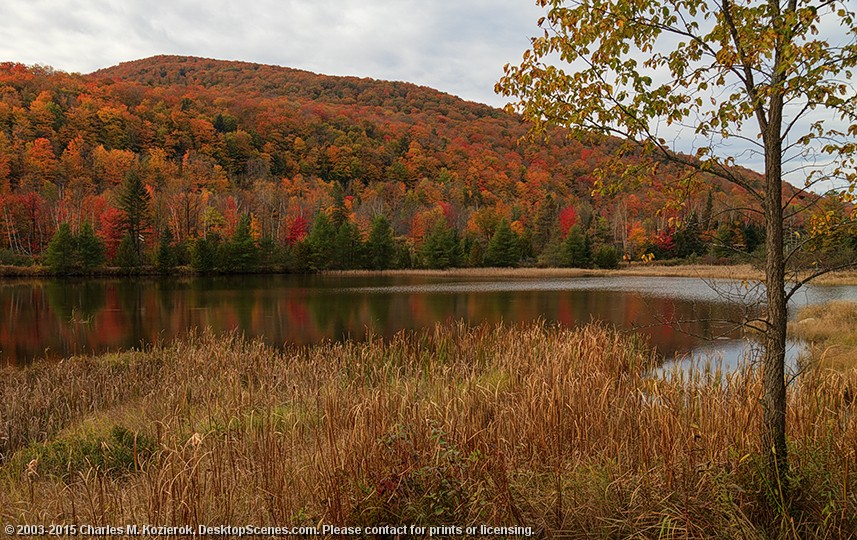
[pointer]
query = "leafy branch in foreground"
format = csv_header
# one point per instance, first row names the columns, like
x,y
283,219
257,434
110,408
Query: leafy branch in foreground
x,y
748,71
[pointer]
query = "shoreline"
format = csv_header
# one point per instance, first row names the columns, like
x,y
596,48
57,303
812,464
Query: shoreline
x,y
740,272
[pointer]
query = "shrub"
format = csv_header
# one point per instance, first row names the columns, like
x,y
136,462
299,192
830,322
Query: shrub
x,y
605,256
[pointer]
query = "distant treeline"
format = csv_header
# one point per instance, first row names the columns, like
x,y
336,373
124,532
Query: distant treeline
x,y
333,242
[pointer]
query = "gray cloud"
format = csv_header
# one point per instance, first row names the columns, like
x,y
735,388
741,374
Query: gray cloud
x,y
458,47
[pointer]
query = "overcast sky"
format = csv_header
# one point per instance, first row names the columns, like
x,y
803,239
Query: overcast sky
x,y
456,46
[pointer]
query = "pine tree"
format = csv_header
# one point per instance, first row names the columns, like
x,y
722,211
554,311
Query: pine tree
x,y
339,213
545,223
441,246
90,248
126,254
60,253
380,247
241,253
134,199
204,253
688,240
347,247
318,253
502,249
605,256
575,249
166,256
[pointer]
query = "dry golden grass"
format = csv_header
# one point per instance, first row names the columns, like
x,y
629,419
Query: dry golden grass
x,y
739,272
831,331
552,428
744,271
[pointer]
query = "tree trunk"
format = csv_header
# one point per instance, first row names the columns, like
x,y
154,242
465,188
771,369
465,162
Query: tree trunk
x,y
773,367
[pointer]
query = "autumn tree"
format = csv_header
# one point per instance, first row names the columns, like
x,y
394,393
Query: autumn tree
x,y
749,72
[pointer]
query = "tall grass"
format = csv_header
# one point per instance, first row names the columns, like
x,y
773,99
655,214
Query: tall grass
x,y
558,429
830,330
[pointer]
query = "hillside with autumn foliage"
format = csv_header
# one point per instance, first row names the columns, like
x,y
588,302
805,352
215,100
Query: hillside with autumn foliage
x,y
235,166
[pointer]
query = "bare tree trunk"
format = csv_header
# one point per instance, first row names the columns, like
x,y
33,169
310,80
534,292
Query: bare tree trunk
x,y
774,398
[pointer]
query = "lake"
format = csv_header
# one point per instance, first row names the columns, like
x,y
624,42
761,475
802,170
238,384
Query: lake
x,y
49,319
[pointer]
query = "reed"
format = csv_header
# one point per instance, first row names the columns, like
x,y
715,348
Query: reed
x,y
562,430
830,330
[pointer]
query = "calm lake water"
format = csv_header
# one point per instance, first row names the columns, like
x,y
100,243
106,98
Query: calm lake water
x,y
57,318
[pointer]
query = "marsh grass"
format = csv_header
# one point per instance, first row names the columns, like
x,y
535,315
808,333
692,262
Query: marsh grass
x,y
558,429
739,272
831,331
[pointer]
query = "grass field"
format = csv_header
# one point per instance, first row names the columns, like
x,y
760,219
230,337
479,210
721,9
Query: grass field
x,y
555,429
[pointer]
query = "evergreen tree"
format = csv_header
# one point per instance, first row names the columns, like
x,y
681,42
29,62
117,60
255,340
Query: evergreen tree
x,y
575,249
708,213
319,244
441,246
687,238
503,248
605,256
380,247
473,249
126,254
269,254
339,214
134,200
525,245
166,256
545,223
348,249
60,253
204,253
90,248
241,253
724,243
405,255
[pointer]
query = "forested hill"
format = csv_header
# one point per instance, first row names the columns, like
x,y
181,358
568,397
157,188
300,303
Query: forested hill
x,y
260,80
217,147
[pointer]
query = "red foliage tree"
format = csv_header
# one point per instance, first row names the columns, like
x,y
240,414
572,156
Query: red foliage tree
x,y
296,230
567,220
112,227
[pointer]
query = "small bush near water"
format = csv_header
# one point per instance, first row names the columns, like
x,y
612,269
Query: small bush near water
x,y
557,429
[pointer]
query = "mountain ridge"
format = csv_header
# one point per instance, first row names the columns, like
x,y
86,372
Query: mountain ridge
x,y
294,82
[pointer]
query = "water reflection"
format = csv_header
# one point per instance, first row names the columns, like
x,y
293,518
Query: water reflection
x,y
51,318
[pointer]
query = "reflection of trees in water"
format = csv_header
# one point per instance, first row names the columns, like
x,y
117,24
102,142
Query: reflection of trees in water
x,y
380,308
75,302
28,325
336,314
131,295
244,302
39,315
